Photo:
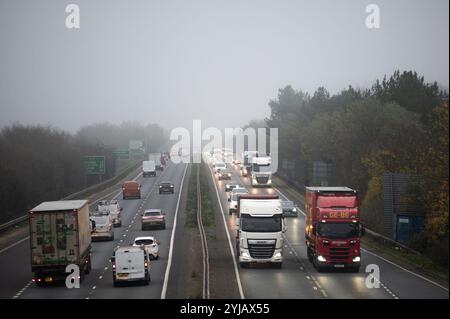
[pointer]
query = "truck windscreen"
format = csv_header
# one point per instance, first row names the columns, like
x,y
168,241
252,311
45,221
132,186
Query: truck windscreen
x,y
336,201
261,224
338,230
261,168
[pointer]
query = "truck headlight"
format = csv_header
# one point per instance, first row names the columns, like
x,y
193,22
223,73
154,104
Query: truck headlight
x,y
321,258
357,259
269,181
277,255
245,254
294,210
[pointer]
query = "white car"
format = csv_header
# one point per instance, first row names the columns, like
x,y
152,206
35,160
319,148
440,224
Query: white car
x,y
220,166
150,244
233,197
230,186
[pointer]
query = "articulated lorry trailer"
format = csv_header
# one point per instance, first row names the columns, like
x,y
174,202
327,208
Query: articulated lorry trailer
x,y
60,235
261,225
333,230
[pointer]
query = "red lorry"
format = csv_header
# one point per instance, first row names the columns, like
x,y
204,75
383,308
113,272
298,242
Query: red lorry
x,y
333,230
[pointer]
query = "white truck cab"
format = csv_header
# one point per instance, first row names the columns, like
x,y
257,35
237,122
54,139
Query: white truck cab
x,y
130,264
261,174
261,226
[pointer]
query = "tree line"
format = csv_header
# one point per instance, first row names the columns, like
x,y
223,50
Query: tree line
x,y
40,163
399,125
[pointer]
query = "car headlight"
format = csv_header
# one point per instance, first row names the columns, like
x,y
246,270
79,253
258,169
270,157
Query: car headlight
x,y
357,259
321,258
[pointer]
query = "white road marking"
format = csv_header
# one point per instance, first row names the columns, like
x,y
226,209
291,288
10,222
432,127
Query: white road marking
x,y
169,261
408,271
15,244
236,270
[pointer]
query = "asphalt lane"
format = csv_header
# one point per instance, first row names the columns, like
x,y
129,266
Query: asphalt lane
x,y
299,279
262,281
15,262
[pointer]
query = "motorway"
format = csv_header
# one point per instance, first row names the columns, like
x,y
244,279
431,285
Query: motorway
x,y
299,279
16,274
296,279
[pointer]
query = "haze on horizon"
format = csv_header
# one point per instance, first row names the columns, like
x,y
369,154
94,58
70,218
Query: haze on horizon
x,y
170,62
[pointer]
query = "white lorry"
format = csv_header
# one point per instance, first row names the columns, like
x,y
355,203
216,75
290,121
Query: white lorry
x,y
261,225
261,174
148,168
60,234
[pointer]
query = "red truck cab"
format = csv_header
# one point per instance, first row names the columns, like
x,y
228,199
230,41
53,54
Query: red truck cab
x,y
333,230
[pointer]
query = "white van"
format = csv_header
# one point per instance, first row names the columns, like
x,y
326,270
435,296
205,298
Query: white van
x,y
148,168
130,264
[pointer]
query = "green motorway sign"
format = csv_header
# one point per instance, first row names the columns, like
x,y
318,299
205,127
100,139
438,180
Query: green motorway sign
x,y
122,154
94,165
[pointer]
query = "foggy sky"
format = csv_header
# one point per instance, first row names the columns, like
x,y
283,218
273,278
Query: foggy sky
x,y
172,61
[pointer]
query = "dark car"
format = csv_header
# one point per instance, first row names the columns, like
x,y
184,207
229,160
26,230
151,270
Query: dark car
x,y
153,218
166,187
289,208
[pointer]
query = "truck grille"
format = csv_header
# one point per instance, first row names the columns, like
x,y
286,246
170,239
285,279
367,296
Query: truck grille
x,y
339,253
261,250
262,179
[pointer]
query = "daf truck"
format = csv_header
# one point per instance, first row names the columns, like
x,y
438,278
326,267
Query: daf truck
x,y
260,227
261,174
332,228
60,234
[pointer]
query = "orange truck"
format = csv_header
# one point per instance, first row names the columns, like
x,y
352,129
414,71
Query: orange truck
x,y
131,189
333,230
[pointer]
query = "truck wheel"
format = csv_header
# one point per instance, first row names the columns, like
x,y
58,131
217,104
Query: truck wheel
x,y
112,237
309,254
243,264
123,197
88,266
163,226
230,212
115,283
278,265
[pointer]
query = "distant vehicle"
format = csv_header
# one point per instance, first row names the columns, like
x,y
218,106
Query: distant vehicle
x,y
220,166
103,226
261,226
166,187
246,167
130,264
156,157
233,198
153,218
289,208
332,228
131,189
230,186
224,174
113,208
59,236
148,168
150,244
261,174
